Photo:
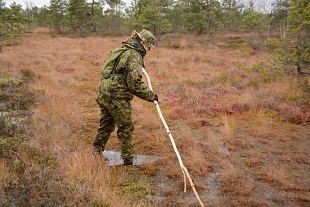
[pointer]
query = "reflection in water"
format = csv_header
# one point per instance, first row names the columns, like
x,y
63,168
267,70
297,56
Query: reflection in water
x,y
114,158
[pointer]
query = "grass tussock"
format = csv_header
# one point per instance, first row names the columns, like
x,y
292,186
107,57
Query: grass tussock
x,y
234,182
232,112
276,176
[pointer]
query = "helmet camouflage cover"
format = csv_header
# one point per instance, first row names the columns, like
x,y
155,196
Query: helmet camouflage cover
x,y
147,37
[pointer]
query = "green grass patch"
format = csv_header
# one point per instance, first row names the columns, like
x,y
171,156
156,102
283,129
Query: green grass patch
x,y
297,98
250,68
9,145
137,188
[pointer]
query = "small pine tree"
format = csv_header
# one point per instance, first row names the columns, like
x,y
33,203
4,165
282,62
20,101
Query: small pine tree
x,y
96,14
151,15
44,17
203,16
295,50
280,13
256,21
58,11
232,16
13,22
78,16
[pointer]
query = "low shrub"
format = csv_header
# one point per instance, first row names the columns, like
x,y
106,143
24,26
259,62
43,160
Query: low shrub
x,y
28,74
9,145
304,85
250,68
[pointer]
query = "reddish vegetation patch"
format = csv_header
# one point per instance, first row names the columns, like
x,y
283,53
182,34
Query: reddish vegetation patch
x,y
234,119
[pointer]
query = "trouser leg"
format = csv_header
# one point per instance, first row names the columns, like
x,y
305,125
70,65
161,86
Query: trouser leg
x,y
124,133
106,127
122,117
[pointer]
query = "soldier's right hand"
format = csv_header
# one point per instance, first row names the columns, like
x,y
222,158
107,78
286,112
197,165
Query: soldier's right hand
x,y
155,97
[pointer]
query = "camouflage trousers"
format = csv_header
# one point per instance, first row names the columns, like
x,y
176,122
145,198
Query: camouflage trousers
x,y
115,112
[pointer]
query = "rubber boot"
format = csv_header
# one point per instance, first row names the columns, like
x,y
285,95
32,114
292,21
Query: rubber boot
x,y
128,162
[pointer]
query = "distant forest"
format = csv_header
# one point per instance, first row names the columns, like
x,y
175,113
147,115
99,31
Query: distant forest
x,y
158,16
287,22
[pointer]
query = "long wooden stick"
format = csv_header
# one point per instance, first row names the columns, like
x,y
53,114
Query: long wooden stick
x,y
183,168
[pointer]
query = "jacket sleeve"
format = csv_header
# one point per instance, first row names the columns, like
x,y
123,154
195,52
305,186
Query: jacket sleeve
x,y
134,78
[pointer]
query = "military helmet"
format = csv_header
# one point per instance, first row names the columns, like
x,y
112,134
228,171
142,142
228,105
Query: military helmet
x,y
148,38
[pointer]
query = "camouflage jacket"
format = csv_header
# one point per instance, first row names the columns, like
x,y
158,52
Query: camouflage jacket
x,y
121,77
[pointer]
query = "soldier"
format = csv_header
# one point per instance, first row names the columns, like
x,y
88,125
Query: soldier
x,y
120,80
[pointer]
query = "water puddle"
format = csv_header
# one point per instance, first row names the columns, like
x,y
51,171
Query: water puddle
x,y
114,158
213,188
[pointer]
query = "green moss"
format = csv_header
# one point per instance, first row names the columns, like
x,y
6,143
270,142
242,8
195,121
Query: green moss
x,y
220,79
43,159
251,68
15,93
12,124
9,145
197,83
18,166
9,84
5,75
28,74
298,98
138,189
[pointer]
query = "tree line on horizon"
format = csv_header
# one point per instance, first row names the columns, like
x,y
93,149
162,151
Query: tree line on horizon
x,y
159,16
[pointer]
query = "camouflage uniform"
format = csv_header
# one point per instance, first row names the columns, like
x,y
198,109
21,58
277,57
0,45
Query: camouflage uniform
x,y
120,81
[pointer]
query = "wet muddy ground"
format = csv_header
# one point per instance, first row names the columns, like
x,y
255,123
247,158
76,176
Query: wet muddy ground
x,y
114,158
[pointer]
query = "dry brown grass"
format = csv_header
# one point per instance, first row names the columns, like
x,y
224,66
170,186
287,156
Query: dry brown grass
x,y
277,176
264,128
253,163
59,118
226,109
4,172
90,175
233,181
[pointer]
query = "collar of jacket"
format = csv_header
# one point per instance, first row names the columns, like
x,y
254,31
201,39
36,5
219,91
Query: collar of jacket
x,y
135,44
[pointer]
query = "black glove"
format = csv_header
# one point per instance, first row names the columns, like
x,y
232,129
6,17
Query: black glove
x,y
155,97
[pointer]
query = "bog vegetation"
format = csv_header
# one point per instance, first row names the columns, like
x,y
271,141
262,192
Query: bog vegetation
x,y
233,85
